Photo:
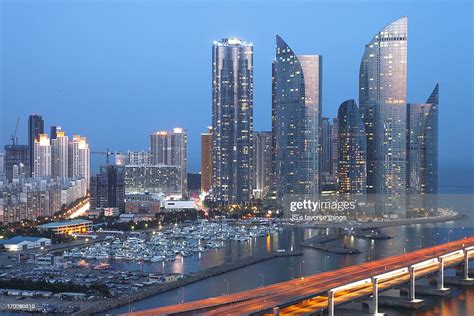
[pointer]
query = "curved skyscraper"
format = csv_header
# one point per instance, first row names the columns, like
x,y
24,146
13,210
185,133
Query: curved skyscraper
x,y
382,99
297,111
422,171
232,120
352,150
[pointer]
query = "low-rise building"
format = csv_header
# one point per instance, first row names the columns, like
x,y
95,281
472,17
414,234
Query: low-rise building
x,y
49,260
67,227
142,203
178,205
126,217
19,243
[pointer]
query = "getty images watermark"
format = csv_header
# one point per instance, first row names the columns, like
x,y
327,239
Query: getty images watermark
x,y
342,207
319,210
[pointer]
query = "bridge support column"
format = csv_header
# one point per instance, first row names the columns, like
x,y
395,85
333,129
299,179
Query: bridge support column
x,y
375,295
440,283
330,303
466,265
412,285
276,311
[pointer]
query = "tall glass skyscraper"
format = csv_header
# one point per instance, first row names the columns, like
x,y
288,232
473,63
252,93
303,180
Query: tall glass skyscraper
x,y
326,147
232,120
352,150
422,139
262,158
297,106
35,128
382,98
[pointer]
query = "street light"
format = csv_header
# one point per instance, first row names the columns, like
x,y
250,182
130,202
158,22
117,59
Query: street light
x,y
292,272
263,278
227,286
301,268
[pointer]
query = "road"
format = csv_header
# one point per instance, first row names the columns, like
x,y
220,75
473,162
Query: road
x,y
79,209
310,293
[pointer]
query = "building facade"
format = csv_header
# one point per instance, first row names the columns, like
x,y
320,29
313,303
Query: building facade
x,y
2,165
42,157
29,199
79,158
157,179
107,189
54,132
206,160
16,161
352,150
232,121
422,146
326,146
262,145
59,155
171,148
334,147
297,104
35,128
382,99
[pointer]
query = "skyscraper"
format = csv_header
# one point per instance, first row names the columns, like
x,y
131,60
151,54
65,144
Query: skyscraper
x,y
382,98
179,155
16,158
262,158
2,165
334,145
171,148
326,146
422,139
274,179
79,158
206,160
35,128
159,148
232,120
59,146
297,103
54,132
42,156
352,150
108,187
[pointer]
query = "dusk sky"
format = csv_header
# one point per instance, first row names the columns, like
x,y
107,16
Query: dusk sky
x,y
115,71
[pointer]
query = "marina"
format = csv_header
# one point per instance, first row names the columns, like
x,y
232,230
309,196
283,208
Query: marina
x,y
176,241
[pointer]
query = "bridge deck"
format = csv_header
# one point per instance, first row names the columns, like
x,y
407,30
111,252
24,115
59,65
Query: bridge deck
x,y
309,294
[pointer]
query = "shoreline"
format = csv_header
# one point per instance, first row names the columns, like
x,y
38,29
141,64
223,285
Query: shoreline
x,y
228,267
191,278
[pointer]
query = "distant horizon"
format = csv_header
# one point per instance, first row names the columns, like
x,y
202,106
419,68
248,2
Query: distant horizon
x,y
116,73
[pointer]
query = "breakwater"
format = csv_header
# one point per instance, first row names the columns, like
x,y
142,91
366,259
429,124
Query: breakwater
x,y
191,278
319,243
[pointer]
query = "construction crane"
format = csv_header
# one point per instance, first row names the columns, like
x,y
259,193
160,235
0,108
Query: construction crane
x,y
107,154
13,136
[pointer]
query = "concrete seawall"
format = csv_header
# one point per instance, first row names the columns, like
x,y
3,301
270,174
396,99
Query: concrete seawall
x,y
108,304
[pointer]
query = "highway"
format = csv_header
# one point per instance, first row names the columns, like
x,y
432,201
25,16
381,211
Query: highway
x,y
310,293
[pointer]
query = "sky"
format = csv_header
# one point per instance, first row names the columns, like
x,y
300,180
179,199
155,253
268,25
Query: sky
x,y
115,71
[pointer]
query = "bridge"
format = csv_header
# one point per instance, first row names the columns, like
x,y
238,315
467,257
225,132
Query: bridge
x,y
322,292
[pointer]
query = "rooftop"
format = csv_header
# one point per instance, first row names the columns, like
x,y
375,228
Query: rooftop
x,y
65,223
20,239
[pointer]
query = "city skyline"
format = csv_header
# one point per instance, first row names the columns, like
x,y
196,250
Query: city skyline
x,y
418,88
